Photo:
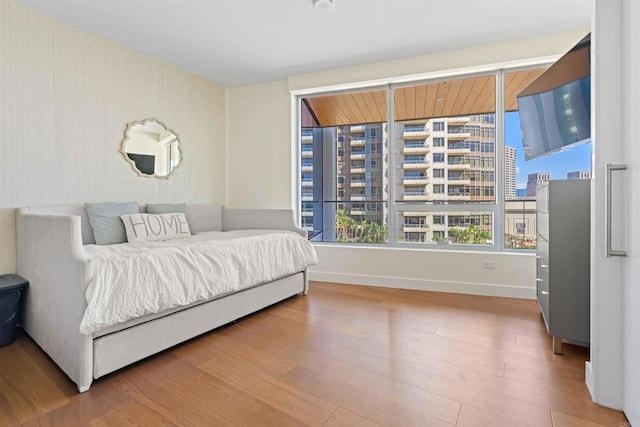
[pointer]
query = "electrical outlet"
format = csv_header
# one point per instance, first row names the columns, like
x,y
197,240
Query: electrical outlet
x,y
489,265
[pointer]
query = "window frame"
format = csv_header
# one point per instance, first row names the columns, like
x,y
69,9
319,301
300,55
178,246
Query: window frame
x,y
396,209
497,209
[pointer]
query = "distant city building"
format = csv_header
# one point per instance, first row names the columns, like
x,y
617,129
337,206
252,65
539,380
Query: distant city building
x,y
534,180
509,173
579,175
344,170
349,178
444,160
361,170
520,223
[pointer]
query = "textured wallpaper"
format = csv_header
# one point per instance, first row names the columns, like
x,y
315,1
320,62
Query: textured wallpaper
x,y
65,98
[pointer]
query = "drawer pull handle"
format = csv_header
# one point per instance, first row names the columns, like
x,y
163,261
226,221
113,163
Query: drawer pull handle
x,y
539,280
544,292
544,266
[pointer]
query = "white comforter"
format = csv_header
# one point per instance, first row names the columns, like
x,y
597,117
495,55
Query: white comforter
x,y
135,279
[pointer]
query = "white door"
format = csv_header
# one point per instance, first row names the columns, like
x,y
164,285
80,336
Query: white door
x,y
631,188
613,373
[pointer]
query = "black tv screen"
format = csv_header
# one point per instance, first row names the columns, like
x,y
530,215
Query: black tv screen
x,y
554,109
145,163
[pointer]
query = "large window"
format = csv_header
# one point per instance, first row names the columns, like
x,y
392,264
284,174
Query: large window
x,y
522,178
419,164
349,146
456,200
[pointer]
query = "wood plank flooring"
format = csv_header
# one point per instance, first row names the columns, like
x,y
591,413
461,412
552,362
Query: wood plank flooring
x,y
341,356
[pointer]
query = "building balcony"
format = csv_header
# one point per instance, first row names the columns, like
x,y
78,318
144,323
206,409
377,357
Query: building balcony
x,y
306,197
416,149
357,170
306,139
415,228
458,197
358,156
306,168
458,166
458,136
415,180
459,121
307,213
357,128
306,154
356,212
357,197
415,165
357,184
459,181
307,184
358,142
413,134
459,150
421,197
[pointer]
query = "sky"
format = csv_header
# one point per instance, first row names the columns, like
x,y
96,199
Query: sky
x,y
558,164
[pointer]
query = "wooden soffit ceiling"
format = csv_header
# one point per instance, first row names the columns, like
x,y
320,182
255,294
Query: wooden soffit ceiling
x,y
442,99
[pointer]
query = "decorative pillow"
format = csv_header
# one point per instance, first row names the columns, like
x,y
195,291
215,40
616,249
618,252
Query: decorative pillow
x,y
149,227
106,223
162,208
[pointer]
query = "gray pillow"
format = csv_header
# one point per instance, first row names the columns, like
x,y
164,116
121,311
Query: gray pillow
x,y
106,223
163,208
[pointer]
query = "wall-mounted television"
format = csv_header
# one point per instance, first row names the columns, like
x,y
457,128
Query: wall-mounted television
x,y
554,109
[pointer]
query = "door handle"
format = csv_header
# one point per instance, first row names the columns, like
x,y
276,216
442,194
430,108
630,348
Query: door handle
x,y
610,168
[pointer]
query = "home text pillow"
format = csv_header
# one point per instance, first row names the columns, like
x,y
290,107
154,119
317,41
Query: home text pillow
x,y
162,208
106,223
151,227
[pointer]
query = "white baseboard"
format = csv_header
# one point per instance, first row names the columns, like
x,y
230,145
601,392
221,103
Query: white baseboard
x,y
487,289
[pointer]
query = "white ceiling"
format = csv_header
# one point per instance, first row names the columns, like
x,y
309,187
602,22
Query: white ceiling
x,y
239,42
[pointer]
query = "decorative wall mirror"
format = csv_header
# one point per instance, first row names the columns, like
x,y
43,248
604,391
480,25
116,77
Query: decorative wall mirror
x,y
151,148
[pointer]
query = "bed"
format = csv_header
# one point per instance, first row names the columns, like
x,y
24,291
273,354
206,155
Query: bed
x,y
66,270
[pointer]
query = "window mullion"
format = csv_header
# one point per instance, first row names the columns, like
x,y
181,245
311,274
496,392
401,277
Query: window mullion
x,y
392,208
498,223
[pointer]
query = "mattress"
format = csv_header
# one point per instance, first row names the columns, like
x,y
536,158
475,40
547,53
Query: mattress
x,y
131,280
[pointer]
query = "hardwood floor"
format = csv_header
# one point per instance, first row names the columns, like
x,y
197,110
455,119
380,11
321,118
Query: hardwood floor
x,y
342,356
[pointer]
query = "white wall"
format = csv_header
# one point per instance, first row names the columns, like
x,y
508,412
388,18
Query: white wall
x,y
460,59
259,124
65,98
259,146
432,270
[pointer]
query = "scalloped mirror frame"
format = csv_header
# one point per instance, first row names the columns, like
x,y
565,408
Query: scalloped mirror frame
x,y
153,125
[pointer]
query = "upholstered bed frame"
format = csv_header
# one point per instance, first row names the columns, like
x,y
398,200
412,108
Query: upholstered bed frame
x,y
51,256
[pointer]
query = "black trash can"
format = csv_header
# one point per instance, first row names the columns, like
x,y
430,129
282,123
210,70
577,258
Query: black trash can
x,y
11,289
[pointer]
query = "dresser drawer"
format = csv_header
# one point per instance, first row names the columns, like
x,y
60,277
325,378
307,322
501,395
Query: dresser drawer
x,y
543,301
542,279
542,225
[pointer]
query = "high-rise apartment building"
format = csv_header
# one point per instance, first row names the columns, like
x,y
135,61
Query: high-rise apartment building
x,y
344,171
579,175
534,180
311,142
443,160
509,173
360,171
